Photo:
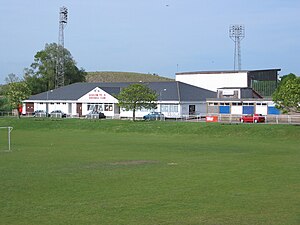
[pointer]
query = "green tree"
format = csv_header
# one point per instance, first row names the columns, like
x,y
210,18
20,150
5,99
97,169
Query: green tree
x,y
287,95
4,102
42,72
16,92
137,96
284,78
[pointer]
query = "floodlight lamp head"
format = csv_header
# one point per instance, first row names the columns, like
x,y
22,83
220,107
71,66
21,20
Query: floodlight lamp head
x,y
237,31
63,14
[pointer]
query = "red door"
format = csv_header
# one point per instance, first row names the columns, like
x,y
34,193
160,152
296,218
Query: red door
x,y
79,109
29,108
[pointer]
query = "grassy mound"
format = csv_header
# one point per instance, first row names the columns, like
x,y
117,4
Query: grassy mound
x,y
124,77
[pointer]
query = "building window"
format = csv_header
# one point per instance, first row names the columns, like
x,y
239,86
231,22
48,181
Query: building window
x,y
100,108
164,108
169,108
173,108
108,107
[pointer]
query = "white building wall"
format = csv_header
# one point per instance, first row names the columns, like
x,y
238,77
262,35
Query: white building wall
x,y
67,107
64,107
138,113
109,113
184,109
84,109
261,109
201,108
97,95
39,106
214,81
237,110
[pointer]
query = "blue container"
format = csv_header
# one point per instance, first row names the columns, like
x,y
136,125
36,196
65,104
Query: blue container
x,y
272,110
224,109
248,109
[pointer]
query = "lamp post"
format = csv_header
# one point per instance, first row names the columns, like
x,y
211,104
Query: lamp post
x,y
160,98
160,93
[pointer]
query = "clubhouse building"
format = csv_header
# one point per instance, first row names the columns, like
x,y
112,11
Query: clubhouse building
x,y
193,93
174,99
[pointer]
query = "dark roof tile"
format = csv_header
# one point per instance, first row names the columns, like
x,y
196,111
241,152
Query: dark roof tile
x,y
167,91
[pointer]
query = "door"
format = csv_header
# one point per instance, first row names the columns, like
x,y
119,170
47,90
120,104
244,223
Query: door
x,y
192,109
79,109
29,108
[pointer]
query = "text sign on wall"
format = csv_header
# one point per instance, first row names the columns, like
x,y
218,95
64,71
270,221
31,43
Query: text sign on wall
x,y
97,96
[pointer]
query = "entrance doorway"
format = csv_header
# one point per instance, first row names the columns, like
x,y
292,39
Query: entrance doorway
x,y
29,108
192,109
79,109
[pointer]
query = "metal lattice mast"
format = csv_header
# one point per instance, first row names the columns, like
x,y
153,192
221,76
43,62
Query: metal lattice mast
x,y
237,33
60,70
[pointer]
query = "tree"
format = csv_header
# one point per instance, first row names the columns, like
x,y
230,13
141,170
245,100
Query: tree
x,y
285,78
12,78
137,96
42,72
287,95
4,102
16,92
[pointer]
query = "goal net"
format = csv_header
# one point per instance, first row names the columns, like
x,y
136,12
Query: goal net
x,y
5,139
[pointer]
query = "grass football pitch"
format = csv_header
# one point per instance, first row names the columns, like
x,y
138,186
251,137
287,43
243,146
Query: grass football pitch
x,y
88,172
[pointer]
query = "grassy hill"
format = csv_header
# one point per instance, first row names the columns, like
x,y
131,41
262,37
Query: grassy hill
x,y
107,76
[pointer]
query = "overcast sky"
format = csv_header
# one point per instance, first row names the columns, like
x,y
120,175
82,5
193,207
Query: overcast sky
x,y
153,36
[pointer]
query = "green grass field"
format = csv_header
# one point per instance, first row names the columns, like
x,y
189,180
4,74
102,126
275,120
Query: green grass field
x,y
86,172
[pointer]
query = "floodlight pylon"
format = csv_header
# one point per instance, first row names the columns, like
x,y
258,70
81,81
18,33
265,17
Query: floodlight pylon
x,y
60,69
237,33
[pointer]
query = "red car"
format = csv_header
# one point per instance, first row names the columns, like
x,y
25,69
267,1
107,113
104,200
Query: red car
x,y
255,118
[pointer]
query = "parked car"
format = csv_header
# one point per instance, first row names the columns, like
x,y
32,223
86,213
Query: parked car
x,y
154,116
58,113
95,115
255,118
40,113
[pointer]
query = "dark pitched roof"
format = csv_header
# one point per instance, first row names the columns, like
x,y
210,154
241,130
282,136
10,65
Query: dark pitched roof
x,y
167,91
72,92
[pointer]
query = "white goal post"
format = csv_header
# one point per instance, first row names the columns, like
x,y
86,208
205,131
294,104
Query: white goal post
x,y
5,140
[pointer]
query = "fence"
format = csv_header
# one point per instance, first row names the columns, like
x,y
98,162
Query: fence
x,y
228,118
2,114
222,118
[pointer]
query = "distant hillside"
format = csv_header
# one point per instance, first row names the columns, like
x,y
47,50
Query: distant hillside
x,y
94,77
